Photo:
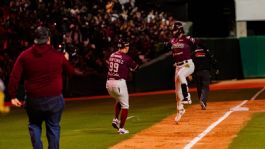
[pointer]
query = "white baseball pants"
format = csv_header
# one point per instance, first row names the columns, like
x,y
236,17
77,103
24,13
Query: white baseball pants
x,y
181,74
119,91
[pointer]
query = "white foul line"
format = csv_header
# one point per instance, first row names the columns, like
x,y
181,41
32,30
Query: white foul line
x,y
257,94
129,117
205,132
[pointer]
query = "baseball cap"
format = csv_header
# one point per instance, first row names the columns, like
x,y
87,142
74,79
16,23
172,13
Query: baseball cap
x,y
123,43
41,35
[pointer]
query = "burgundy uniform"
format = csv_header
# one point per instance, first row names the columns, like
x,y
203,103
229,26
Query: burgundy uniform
x,y
119,66
181,52
181,48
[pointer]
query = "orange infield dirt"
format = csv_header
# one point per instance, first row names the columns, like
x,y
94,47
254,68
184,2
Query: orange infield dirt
x,y
169,135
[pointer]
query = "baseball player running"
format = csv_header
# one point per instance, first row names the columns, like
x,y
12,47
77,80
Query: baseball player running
x,y
119,65
181,46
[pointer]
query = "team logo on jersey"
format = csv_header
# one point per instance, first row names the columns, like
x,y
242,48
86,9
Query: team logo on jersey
x,y
179,53
177,46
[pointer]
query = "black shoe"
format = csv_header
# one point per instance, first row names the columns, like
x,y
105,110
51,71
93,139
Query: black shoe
x,y
186,101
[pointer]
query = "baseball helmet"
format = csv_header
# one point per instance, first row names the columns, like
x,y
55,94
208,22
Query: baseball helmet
x,y
41,35
122,43
177,28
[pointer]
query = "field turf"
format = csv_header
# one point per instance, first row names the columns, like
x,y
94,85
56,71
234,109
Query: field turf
x,y
87,124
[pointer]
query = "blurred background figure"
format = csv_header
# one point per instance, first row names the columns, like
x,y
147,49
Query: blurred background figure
x,y
3,108
205,63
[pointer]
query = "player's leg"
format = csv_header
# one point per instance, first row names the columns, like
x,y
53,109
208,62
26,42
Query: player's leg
x,y
117,110
183,73
183,93
205,88
114,91
181,87
179,105
178,91
180,111
124,101
180,79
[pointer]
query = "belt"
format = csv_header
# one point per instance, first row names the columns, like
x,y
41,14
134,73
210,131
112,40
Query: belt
x,y
113,79
181,63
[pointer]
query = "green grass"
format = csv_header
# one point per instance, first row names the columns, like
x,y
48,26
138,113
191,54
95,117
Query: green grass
x,y
253,135
87,124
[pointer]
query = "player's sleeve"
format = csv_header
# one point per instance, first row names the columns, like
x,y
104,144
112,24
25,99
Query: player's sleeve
x,y
133,66
191,39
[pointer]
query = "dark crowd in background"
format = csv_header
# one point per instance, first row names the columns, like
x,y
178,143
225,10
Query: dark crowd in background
x,y
87,30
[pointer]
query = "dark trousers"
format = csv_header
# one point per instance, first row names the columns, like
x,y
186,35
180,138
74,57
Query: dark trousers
x,y
49,110
203,79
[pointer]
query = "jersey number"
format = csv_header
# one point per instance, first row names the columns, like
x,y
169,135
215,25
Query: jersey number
x,y
113,67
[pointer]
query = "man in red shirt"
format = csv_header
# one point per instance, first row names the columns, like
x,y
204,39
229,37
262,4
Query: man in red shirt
x,y
41,67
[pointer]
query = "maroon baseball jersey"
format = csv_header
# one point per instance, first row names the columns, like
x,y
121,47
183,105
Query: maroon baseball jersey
x,y
119,65
181,48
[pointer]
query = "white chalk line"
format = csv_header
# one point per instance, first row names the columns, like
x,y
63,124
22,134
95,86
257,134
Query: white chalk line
x,y
129,117
257,94
213,125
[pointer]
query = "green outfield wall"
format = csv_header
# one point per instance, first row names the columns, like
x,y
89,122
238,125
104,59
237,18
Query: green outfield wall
x,y
253,56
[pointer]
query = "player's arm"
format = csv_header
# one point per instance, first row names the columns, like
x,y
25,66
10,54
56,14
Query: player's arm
x,y
14,80
193,40
133,66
